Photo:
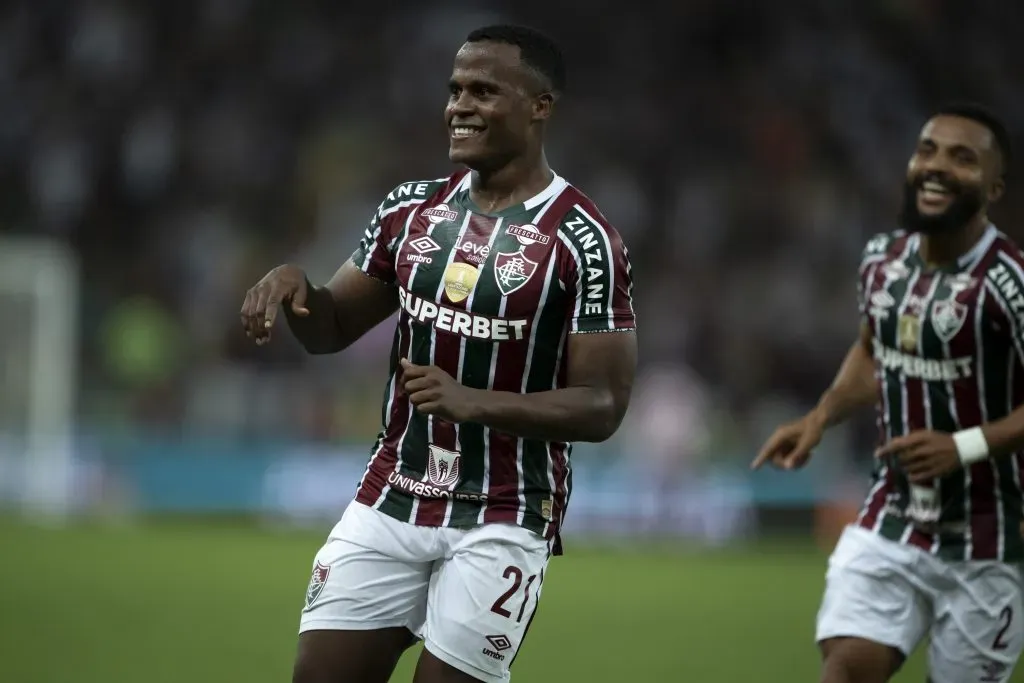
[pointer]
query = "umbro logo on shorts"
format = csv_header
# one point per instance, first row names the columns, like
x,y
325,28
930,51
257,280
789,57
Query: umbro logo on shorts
x,y
498,645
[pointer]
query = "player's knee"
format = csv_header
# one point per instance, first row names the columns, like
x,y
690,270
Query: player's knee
x,y
850,660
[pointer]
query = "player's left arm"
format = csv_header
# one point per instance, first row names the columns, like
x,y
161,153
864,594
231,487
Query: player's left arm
x,y
602,347
926,454
590,408
601,354
1005,436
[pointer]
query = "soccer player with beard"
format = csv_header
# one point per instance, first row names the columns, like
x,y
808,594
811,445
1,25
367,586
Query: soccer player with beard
x,y
937,548
515,338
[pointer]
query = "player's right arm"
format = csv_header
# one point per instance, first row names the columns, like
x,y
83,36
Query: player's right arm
x,y
852,389
854,385
353,304
360,296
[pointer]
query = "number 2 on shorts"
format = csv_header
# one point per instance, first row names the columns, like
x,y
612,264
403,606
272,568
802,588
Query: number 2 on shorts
x,y
516,574
1006,619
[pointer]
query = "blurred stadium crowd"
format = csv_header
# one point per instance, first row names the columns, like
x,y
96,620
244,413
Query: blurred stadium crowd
x,y
744,151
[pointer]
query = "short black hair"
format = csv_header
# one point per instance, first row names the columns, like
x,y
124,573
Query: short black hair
x,y
536,50
986,117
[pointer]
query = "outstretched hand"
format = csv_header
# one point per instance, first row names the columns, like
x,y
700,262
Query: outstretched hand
x,y
259,310
434,392
792,444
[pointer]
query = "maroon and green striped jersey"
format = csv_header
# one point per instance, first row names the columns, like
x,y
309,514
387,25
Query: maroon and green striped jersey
x,y
491,298
949,355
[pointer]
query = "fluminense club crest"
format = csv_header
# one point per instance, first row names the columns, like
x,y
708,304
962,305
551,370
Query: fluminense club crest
x,y
512,270
317,582
947,318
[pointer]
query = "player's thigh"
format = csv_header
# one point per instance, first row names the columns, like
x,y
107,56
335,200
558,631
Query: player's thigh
x,y
482,600
872,614
373,572
979,633
349,656
856,660
366,599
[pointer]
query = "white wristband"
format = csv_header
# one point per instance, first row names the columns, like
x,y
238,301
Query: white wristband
x,y
971,445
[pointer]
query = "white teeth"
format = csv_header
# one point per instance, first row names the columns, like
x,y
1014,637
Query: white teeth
x,y
464,131
932,186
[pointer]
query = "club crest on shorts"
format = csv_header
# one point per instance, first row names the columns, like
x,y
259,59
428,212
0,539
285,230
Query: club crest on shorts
x,y
316,583
512,270
443,467
947,318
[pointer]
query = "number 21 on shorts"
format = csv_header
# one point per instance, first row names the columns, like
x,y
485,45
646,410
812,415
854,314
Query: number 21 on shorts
x,y
1005,620
502,604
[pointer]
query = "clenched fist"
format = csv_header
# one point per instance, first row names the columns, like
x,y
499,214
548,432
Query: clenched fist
x,y
434,392
925,455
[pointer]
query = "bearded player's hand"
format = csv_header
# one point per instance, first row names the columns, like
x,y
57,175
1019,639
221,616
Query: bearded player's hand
x,y
792,444
285,283
434,392
924,455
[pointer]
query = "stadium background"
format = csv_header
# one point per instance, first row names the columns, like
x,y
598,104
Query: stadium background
x,y
157,158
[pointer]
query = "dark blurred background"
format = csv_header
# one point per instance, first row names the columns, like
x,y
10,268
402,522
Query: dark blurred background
x,y
156,159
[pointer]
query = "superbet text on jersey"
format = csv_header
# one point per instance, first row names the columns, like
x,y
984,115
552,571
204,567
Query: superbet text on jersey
x,y
949,352
490,299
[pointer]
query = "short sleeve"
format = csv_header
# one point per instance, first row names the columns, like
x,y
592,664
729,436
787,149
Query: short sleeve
x,y
862,307
874,253
1004,283
597,271
375,253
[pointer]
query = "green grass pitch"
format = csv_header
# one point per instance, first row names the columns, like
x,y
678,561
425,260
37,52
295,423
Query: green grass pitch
x,y
208,603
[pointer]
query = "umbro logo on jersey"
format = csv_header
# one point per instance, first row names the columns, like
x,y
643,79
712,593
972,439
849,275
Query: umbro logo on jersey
x,y
424,245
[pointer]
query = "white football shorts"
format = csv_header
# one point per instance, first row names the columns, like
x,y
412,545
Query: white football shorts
x,y
469,594
895,594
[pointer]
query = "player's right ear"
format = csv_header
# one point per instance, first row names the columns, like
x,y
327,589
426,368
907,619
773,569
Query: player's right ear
x,y
995,193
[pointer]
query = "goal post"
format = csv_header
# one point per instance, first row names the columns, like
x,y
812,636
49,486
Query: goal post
x,y
39,290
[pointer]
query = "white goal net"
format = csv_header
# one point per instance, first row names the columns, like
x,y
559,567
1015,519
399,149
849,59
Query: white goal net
x,y
38,351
